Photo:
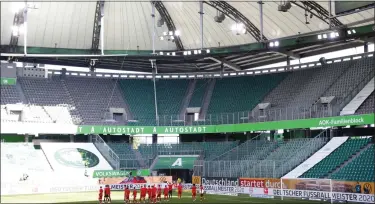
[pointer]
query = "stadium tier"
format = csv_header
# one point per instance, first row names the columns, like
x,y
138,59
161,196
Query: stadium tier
x,y
291,95
337,158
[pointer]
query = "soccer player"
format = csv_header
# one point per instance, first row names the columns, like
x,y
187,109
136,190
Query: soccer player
x,y
135,195
166,191
179,191
159,194
149,192
170,186
154,191
143,194
107,194
100,195
202,192
127,195
194,192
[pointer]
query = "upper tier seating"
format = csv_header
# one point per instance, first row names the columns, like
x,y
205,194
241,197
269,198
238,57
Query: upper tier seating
x,y
336,158
198,94
368,105
94,97
241,93
9,95
360,169
139,94
128,159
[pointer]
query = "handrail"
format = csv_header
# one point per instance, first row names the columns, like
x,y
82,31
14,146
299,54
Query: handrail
x,y
98,140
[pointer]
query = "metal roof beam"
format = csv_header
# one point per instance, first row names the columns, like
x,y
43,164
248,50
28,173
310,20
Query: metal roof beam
x,y
97,27
168,20
318,11
237,16
226,63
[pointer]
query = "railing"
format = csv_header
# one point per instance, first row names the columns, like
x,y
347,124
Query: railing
x,y
106,151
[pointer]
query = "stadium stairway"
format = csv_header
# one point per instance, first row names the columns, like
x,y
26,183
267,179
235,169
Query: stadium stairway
x,y
357,101
318,156
337,158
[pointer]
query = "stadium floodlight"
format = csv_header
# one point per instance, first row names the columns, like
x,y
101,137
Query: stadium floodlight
x,y
272,44
168,53
165,33
185,52
189,52
199,51
173,54
337,34
319,37
170,32
349,32
208,51
353,31
195,52
324,36
276,43
161,38
161,53
177,33
332,35
172,37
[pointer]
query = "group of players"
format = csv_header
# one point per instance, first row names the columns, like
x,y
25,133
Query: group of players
x,y
152,193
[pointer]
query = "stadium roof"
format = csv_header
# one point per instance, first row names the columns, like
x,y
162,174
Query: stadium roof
x,y
69,27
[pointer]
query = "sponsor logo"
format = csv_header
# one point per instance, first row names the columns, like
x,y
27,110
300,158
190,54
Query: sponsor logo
x,y
260,183
341,121
76,157
220,181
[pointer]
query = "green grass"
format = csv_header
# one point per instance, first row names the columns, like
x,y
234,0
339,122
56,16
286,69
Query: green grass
x,y
117,197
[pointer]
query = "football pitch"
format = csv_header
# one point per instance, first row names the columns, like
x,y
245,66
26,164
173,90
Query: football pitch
x,y
117,197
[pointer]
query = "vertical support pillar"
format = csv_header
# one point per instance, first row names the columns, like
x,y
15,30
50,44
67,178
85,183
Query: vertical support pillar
x,y
25,29
102,27
154,138
153,27
90,138
288,60
27,138
71,138
154,72
365,47
226,137
330,13
261,20
201,21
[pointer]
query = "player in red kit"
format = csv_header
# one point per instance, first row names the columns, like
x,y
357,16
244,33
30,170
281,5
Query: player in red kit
x,y
143,193
154,192
202,193
135,195
170,186
159,193
166,191
149,192
107,194
127,195
100,195
179,191
194,192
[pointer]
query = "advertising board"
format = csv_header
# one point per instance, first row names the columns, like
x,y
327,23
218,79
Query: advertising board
x,y
119,183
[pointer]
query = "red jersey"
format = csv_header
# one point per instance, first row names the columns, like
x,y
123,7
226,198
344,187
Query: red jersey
x,y
179,188
127,193
154,191
143,191
194,189
135,193
201,188
170,186
159,191
100,193
107,191
166,190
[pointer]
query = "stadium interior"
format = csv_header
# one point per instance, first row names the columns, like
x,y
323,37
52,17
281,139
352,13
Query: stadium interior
x,y
182,90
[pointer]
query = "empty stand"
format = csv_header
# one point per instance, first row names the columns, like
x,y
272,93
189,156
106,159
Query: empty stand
x,y
336,158
9,95
198,94
360,169
93,97
368,105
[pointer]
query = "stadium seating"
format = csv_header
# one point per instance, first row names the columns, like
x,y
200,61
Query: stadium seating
x,y
241,93
9,95
360,169
336,158
139,95
368,105
198,94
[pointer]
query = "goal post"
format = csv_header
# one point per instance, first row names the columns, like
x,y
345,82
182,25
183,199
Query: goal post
x,y
306,188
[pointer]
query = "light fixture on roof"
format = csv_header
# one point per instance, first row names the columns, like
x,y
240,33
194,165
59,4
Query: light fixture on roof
x,y
173,54
161,38
319,37
168,53
161,53
170,35
195,52
177,33
170,32
199,51
332,35
353,31
15,30
185,52
274,44
324,36
238,28
17,6
189,52
208,51
165,33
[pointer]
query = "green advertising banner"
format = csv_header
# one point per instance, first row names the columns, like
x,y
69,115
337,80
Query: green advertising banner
x,y
8,81
120,173
244,127
175,162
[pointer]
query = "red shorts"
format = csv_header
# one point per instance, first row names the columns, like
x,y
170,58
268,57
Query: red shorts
x,y
165,195
179,192
159,195
127,198
143,195
194,194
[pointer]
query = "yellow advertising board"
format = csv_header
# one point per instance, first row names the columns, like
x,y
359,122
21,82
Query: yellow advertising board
x,y
196,180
